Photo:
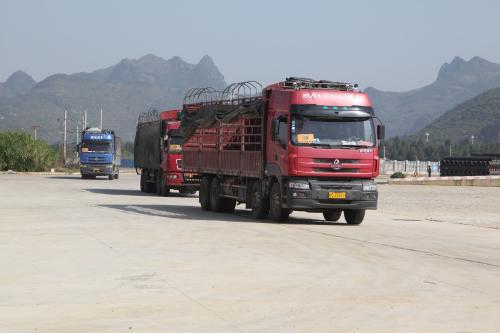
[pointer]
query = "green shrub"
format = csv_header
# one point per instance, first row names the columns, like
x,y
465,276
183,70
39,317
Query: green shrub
x,y
398,174
20,152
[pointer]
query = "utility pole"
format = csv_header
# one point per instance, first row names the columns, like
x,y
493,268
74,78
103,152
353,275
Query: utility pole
x,y
85,120
65,137
101,119
34,130
77,128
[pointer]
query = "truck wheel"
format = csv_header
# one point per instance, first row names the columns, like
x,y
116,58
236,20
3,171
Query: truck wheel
x,y
354,217
332,215
216,204
110,177
84,177
143,185
228,205
160,184
117,176
276,210
260,203
204,196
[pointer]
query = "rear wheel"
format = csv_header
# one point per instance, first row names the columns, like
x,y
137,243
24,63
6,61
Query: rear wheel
x,y
354,217
110,177
276,211
204,196
215,200
143,185
218,203
260,203
332,215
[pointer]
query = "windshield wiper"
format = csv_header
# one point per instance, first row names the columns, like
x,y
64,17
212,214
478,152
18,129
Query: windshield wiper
x,y
357,146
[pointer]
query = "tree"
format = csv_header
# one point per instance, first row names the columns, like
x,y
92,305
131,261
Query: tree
x,y
20,152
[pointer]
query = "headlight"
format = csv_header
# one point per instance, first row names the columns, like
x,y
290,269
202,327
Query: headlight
x,y
299,185
83,165
370,187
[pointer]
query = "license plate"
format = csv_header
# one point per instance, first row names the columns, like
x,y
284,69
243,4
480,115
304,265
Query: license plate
x,y
336,195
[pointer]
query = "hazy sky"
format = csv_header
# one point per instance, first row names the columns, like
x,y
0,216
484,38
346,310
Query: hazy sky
x,y
392,45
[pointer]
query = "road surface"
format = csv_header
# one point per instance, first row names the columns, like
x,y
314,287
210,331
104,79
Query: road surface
x,y
100,256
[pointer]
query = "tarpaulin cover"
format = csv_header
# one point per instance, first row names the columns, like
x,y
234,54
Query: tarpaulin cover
x,y
147,150
208,115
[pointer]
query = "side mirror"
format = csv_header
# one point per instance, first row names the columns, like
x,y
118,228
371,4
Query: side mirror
x,y
283,133
275,125
381,132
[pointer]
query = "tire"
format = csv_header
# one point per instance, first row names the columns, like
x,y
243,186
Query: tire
x,y
276,211
215,200
142,183
204,196
228,205
110,177
332,215
260,203
162,189
117,176
354,217
217,203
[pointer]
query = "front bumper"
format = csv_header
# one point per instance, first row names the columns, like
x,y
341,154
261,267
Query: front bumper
x,y
317,197
97,169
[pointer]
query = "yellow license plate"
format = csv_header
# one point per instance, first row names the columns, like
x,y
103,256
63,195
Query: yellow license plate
x,y
336,195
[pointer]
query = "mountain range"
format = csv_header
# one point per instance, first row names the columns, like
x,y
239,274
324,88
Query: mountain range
x,y
134,85
478,117
407,112
122,91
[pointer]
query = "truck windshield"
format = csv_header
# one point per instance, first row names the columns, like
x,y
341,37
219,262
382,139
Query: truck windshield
x,y
96,146
174,145
347,132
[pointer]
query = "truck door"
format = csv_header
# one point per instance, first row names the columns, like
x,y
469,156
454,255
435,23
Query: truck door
x,y
277,156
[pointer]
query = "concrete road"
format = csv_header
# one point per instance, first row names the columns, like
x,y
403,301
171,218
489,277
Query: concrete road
x,y
100,256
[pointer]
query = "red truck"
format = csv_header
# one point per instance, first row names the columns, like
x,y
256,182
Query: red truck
x,y
301,145
158,154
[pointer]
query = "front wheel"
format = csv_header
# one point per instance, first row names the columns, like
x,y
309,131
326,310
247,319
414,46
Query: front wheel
x,y
260,203
276,210
332,215
354,217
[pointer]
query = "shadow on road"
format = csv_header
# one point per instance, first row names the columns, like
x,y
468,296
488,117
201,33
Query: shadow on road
x,y
196,214
110,191
78,177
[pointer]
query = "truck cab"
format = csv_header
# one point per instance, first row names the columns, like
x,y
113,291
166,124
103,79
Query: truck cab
x,y
100,154
158,154
323,140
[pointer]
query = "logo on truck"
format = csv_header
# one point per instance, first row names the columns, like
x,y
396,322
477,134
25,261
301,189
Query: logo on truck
x,y
336,165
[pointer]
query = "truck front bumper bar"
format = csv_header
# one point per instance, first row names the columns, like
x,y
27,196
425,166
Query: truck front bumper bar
x,y
97,169
333,194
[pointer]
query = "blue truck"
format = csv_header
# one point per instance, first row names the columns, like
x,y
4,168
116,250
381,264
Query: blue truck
x,y
100,154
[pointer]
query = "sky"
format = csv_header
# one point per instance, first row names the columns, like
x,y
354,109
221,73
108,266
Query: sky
x,y
390,45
